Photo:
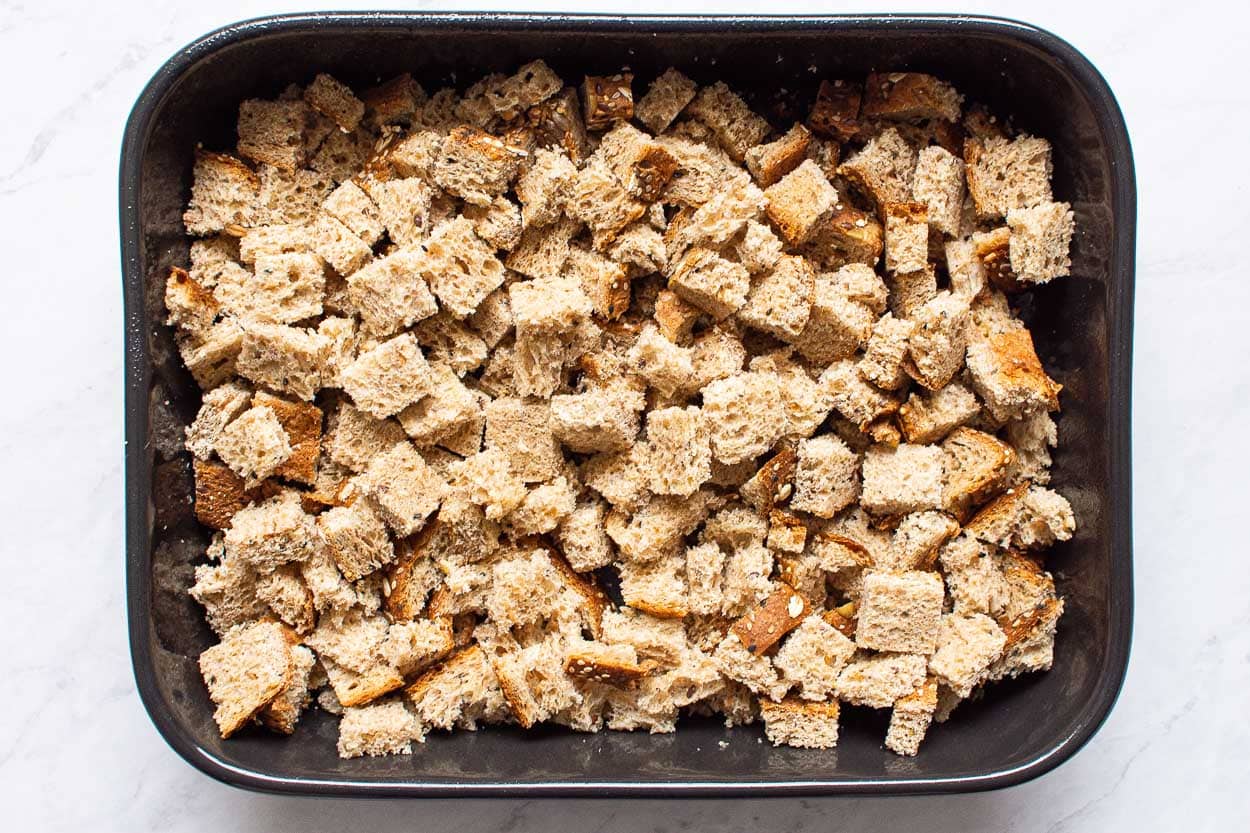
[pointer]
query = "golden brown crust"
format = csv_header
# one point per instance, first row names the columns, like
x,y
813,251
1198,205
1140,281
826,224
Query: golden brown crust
x,y
1026,624
400,604
219,493
855,233
608,98
836,111
763,626
993,459
362,689
302,423
843,619
907,96
994,252
1019,365
470,655
772,478
782,156
558,122
594,600
908,212
594,668
674,317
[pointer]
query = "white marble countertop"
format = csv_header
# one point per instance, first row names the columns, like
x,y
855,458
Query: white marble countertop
x,y
77,750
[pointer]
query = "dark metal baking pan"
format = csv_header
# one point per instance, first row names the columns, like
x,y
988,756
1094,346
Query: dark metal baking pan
x,y
1083,326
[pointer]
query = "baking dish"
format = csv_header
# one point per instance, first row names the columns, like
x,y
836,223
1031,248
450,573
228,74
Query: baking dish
x,y
1083,327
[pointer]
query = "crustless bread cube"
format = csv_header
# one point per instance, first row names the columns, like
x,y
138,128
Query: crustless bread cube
x,y
388,378
405,489
899,611
391,293
679,456
667,96
521,429
461,269
966,647
356,538
1005,174
826,478
903,479
1040,237
906,236
780,302
384,728
744,415
812,657
878,681
884,169
274,132
736,127
939,185
285,359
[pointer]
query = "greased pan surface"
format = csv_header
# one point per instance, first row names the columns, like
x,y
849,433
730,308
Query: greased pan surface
x,y
1082,325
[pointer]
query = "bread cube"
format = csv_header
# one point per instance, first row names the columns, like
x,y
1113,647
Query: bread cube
x,y
666,367
532,84
356,538
557,122
658,526
744,415
938,340
909,96
274,132
285,359
543,250
607,99
717,286
548,306
899,611
884,169
679,456
244,672
598,199
826,477
1040,237
337,245
977,466
885,352
275,532
906,236
836,111
799,202
837,325
878,681
928,416
966,647
903,479
405,489
391,293
768,163
383,728
1005,174
780,303
521,430
667,96
543,508
490,482
801,723
938,184
352,207
1009,377
641,164
848,234
736,127
755,671
301,422
224,193
354,436
475,166
813,656
460,267
581,538
388,378
656,587
910,719
854,398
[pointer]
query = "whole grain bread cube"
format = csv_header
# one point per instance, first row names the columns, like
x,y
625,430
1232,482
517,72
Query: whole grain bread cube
x,y
354,436
965,269
976,468
393,102
357,539
490,482
863,286
301,422
908,96
532,84
1024,517
899,611
1008,375
757,247
458,692
524,590
245,671
657,587
499,223
390,293
714,223
917,540
755,671
352,207
285,359
404,208
769,162
715,354
224,193
284,288
800,201
521,430
657,528
493,318
973,579
826,477
939,185
909,291
711,283
274,132
937,344
1005,174
744,415
847,234
451,342
641,164
736,127
335,100
1032,437
906,236
928,416
704,569
666,367
837,326
813,656
544,187
543,250
800,723
382,728
219,493
227,590
442,412
388,378
678,452
903,479
218,408
764,624
403,487
581,538
269,534
639,249
747,580
966,647
607,99
854,398
548,306
600,201
910,719
272,240
290,196
543,509
595,421
992,250
675,317
557,122
461,268
620,477
780,302
338,245
476,166
1030,642
884,169
702,171
1040,237
885,352
209,256
879,680
283,712
667,96
836,111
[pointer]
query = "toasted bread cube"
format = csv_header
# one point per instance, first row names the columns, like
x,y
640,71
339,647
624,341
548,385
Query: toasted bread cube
x,y
356,538
755,671
715,354
209,256
899,611
674,317
543,509
658,526
285,359
705,565
394,101
667,96
525,590
301,422
928,416
354,437
909,96
903,479
906,236
800,723
290,197
800,201
227,590
335,100
711,283
836,111
885,351
476,166
917,540
1005,174
1040,237
837,325
532,84
1025,518
975,583
702,171
757,247
460,267
1030,642
813,656
272,533
1008,375
939,186
641,164
880,680
848,234
780,302
666,367
283,712
388,378
544,187
522,431
657,587
581,537
910,291
490,482
766,623
679,456
285,288
826,478
977,466
714,223
851,396
224,193
548,306
219,494
938,342
736,127
557,122
441,412
620,477
607,99
352,207
744,414
862,285
1032,437
598,199
543,250
405,490
391,293
274,132
768,163
499,224
245,672
382,728
219,407
338,245
966,647
594,421
458,692
909,721
884,169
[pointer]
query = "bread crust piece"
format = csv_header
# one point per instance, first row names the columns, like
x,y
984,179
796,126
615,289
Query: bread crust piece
x,y
219,493
302,423
977,466
608,99
245,671
908,96
836,111
599,667
764,626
